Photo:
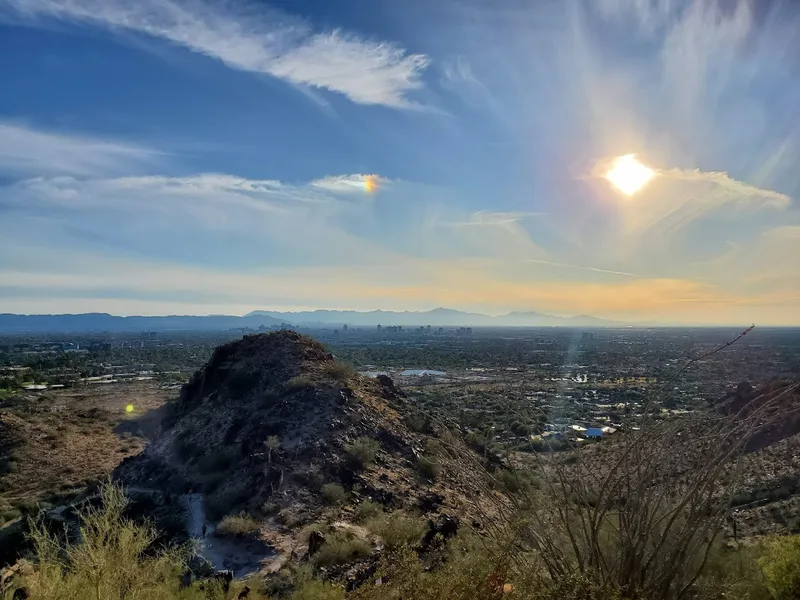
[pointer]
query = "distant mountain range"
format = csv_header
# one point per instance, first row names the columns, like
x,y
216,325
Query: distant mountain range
x,y
438,317
102,322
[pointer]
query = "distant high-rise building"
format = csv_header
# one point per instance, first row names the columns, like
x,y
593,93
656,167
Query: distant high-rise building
x,y
344,327
379,327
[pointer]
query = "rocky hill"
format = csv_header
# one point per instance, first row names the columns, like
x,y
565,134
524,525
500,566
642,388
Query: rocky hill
x,y
273,435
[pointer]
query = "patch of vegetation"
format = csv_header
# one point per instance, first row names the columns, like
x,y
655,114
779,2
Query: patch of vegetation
x,y
397,529
368,509
780,564
362,452
339,370
299,382
115,559
429,468
240,524
333,493
340,548
319,590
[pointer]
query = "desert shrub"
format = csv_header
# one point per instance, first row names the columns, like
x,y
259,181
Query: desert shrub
x,y
299,382
240,525
362,452
270,508
319,590
429,468
115,559
339,548
9,514
780,564
338,370
397,529
333,493
417,421
368,509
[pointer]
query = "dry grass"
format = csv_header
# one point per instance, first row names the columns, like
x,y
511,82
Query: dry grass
x,y
240,524
397,529
333,493
299,382
362,452
340,548
339,371
62,450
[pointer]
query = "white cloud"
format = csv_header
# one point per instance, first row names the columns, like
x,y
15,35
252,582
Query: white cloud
x,y
485,218
356,183
248,38
211,200
734,191
27,151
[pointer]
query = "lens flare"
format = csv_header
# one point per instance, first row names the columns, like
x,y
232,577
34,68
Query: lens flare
x,y
371,184
129,408
628,175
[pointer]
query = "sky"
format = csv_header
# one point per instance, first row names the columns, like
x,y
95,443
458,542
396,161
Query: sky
x,y
206,157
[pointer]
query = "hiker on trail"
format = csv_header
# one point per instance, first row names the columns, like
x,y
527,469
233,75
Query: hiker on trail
x,y
204,530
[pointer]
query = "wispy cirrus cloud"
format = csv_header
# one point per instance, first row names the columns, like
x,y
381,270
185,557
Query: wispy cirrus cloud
x,y
250,38
486,218
357,183
26,151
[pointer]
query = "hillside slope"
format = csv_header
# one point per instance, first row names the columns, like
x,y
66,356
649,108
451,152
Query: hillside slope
x,y
271,423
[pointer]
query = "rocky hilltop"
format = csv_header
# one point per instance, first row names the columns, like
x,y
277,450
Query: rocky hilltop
x,y
274,430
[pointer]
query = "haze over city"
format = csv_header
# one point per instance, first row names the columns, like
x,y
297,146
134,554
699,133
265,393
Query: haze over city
x,y
634,161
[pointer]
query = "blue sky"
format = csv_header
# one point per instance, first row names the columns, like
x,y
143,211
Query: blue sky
x,y
195,157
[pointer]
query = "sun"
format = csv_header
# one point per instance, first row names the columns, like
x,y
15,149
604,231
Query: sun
x,y
628,175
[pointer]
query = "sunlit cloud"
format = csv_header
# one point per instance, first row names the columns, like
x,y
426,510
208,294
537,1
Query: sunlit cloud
x,y
349,183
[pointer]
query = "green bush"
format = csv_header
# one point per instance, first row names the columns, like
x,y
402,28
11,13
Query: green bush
x,y
339,371
241,524
339,548
368,509
299,381
780,564
428,468
397,529
333,493
115,559
362,452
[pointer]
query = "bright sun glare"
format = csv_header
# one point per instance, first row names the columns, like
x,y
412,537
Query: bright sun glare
x,y
628,175
371,183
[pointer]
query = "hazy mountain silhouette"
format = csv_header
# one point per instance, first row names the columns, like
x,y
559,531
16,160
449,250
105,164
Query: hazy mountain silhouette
x,y
438,317
98,322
